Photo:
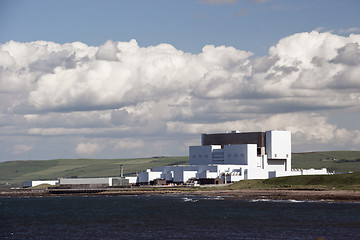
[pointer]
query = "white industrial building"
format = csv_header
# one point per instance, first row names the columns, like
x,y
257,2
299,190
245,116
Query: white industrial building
x,y
107,181
233,157
91,182
222,157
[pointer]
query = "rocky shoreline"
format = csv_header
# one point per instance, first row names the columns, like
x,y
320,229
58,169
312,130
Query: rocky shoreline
x,y
276,194
246,194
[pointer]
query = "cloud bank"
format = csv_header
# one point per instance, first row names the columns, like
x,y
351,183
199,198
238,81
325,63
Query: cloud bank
x,y
121,99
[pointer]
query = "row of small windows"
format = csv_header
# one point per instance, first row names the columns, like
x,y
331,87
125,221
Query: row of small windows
x,y
229,155
206,156
287,155
236,155
200,156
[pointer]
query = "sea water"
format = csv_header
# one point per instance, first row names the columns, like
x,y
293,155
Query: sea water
x,y
175,217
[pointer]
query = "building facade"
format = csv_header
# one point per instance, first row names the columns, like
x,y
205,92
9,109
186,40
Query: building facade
x,y
221,157
233,157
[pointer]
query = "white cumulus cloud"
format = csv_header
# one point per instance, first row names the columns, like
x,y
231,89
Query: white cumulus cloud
x,y
129,144
121,93
20,149
87,149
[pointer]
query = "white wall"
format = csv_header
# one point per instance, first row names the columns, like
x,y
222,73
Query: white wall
x,y
107,181
278,146
178,175
189,174
276,165
39,182
218,156
257,173
313,171
207,174
264,162
239,154
167,175
242,154
182,175
201,155
236,154
148,175
131,179
299,172
154,175
233,178
143,177
253,160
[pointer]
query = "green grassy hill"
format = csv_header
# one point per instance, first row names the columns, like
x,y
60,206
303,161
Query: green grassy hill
x,y
338,161
13,173
350,181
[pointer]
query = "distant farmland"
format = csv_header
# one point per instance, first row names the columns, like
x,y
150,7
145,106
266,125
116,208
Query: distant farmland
x,y
338,161
13,173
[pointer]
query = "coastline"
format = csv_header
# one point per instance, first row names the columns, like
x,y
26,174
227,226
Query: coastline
x,y
286,194
245,194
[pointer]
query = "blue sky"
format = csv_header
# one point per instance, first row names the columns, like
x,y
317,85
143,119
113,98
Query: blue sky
x,y
114,79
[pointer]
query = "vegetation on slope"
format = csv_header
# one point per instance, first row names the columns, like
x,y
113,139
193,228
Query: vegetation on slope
x,y
350,181
13,173
338,161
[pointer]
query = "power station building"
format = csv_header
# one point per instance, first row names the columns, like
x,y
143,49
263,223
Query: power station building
x,y
221,158
232,157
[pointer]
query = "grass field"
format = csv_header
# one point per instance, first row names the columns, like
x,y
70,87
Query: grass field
x,y
13,173
338,161
350,181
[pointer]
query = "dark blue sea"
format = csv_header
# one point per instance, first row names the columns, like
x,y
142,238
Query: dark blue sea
x,y
175,217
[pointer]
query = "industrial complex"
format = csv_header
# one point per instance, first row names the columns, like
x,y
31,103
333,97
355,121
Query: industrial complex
x,y
221,158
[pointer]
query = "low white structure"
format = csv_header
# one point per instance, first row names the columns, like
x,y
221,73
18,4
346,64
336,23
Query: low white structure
x,y
233,157
132,180
87,181
147,176
109,181
106,182
39,182
311,171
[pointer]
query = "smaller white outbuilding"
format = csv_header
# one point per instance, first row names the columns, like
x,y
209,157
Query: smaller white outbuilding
x,y
108,181
27,184
103,182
